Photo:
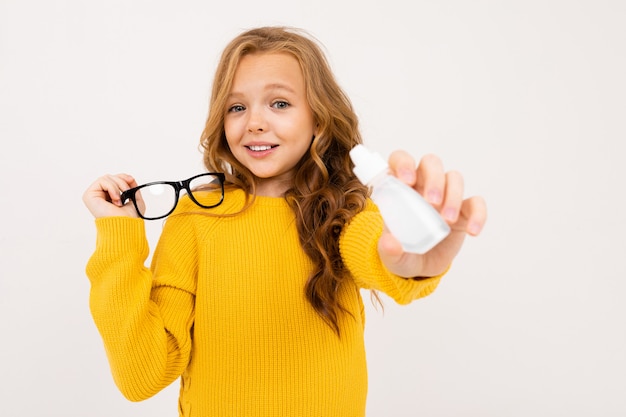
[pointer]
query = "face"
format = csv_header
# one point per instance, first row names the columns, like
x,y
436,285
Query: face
x,y
268,123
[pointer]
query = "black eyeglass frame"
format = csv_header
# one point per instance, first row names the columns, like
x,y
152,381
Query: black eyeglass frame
x,y
178,187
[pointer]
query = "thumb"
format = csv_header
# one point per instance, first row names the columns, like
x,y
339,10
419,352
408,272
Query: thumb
x,y
396,260
390,250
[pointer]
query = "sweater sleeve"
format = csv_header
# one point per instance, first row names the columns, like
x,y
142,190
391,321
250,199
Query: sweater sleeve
x,y
145,323
359,250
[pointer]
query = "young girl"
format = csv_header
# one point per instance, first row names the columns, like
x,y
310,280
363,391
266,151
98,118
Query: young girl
x,y
255,304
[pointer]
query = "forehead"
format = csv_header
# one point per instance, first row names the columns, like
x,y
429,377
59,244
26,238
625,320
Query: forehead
x,y
275,67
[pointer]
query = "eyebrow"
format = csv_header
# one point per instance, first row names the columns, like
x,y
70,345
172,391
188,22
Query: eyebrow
x,y
279,86
269,87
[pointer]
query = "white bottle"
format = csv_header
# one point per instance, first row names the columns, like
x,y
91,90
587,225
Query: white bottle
x,y
410,218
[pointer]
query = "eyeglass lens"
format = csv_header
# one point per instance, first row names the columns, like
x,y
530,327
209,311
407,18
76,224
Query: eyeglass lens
x,y
160,198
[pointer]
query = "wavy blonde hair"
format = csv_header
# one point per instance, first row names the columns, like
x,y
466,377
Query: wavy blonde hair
x,y
325,194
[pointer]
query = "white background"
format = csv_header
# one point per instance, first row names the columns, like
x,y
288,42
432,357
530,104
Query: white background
x,y
526,98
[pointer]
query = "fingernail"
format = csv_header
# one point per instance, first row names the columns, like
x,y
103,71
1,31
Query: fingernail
x,y
434,197
407,175
474,228
450,214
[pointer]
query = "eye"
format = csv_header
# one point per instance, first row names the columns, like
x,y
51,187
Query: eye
x,y
236,108
280,104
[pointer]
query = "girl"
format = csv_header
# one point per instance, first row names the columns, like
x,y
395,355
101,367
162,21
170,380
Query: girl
x,y
255,304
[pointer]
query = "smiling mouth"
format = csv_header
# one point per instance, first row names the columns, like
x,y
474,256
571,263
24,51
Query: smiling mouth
x,y
261,148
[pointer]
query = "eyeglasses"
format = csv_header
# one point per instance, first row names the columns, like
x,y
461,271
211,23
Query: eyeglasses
x,y
156,200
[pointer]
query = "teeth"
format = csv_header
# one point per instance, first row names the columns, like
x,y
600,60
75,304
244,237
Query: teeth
x,y
260,147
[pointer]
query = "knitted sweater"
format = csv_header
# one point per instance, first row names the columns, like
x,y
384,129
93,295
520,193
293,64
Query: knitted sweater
x,y
223,308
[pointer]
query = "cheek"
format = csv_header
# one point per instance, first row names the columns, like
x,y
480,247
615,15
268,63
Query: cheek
x,y
231,132
303,126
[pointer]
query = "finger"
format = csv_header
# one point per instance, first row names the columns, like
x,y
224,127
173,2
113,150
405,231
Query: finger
x,y
395,259
453,196
390,248
128,180
108,188
116,185
474,209
402,165
431,179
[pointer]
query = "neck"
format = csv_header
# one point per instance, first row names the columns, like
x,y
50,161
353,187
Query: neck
x,y
271,188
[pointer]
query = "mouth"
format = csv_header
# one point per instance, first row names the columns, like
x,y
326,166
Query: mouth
x,y
261,148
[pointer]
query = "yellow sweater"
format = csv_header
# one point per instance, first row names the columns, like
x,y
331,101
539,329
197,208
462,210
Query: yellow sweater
x,y
223,307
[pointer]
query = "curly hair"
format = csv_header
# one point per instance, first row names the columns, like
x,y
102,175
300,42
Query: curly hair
x,y
324,194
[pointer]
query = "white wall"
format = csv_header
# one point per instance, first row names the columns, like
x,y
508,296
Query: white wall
x,y
526,98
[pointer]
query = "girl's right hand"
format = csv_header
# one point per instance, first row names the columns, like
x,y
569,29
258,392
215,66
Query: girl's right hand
x,y
102,198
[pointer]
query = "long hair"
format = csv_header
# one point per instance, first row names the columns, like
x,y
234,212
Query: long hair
x,y
324,194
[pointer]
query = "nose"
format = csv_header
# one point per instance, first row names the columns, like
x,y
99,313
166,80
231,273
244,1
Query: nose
x,y
256,121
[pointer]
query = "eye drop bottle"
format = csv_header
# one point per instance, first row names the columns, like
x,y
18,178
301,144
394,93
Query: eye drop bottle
x,y
407,215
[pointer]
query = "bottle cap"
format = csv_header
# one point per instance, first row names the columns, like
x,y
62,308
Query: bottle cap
x,y
367,164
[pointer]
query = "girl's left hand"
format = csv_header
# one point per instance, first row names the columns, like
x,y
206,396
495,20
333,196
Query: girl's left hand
x,y
444,190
